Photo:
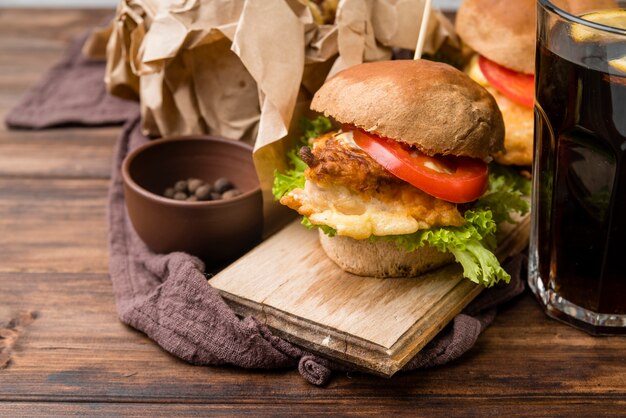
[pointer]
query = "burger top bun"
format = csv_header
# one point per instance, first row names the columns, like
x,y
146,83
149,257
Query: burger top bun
x,y
503,31
430,105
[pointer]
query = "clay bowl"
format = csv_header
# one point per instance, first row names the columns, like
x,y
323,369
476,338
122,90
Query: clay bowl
x,y
216,231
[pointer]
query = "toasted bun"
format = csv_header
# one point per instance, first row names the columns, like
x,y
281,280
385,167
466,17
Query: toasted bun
x,y
381,258
427,104
503,31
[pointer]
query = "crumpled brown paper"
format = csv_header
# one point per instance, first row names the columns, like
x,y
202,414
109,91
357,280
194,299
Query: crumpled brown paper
x,y
241,68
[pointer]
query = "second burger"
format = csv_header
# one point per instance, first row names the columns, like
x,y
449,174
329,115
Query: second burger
x,y
503,35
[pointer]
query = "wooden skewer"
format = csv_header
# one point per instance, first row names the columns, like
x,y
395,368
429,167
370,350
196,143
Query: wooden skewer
x,y
422,35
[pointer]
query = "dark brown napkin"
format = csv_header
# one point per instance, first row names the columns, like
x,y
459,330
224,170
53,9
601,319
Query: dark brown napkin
x,y
167,295
72,92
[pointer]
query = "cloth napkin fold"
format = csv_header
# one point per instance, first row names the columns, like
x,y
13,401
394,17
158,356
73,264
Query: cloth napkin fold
x,y
167,296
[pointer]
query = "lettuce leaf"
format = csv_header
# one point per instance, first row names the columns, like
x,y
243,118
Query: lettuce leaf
x,y
290,179
506,193
471,245
313,128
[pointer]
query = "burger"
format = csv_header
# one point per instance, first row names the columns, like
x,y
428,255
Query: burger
x,y
502,34
395,175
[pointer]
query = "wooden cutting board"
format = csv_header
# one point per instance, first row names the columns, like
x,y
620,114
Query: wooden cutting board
x,y
377,325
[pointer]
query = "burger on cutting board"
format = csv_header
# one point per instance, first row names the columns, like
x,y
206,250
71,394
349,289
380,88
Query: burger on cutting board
x,y
503,33
401,184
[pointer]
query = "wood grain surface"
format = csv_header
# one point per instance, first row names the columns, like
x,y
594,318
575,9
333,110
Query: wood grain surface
x,y
76,358
375,325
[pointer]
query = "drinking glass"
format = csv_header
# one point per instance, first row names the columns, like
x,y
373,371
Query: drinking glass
x,y
577,266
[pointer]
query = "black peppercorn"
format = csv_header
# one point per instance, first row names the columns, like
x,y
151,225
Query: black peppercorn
x,y
203,192
181,186
229,194
222,184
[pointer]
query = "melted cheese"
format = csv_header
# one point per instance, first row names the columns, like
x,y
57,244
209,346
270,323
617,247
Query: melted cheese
x,y
400,211
474,72
337,207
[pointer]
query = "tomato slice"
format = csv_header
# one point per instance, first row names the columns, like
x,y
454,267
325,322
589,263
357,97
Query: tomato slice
x,y
516,86
450,178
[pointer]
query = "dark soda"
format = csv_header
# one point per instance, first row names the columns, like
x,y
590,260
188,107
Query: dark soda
x,y
580,169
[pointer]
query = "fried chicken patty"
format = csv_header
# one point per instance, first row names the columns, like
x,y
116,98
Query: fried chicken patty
x,y
335,159
350,192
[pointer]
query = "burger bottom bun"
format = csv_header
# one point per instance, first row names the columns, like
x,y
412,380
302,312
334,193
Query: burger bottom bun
x,y
382,259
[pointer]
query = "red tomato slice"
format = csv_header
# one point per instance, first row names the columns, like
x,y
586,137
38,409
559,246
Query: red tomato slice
x,y
450,178
516,86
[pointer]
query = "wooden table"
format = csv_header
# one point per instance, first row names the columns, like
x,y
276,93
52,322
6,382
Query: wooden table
x,y
77,357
